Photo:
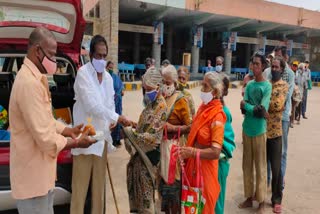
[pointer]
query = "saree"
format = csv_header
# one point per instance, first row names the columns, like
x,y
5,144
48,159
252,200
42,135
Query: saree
x,y
142,165
205,131
224,165
118,87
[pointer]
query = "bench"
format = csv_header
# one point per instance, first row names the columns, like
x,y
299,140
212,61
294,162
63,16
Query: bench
x,y
126,71
240,72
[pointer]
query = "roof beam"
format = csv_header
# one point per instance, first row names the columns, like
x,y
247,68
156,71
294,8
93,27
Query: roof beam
x,y
268,28
204,19
197,19
229,25
156,15
260,29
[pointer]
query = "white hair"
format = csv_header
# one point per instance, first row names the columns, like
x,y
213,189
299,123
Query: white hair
x,y
215,81
301,66
171,71
221,58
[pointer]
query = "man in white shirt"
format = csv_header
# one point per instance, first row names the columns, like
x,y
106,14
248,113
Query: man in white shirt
x,y
94,96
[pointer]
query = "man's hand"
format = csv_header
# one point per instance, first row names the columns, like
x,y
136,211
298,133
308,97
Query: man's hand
x,y
112,126
124,121
72,132
85,141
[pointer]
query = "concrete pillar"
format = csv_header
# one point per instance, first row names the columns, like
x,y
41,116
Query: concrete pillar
x,y
109,13
194,59
169,44
227,61
156,53
136,48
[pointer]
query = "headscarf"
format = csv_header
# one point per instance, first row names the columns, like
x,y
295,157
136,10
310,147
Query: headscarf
x,y
152,78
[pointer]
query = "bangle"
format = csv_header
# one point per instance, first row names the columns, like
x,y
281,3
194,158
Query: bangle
x,y
194,152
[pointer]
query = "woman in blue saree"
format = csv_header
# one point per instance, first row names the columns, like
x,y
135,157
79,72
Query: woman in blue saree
x,y
118,90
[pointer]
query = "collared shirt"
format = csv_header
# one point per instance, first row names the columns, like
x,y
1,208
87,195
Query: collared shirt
x,y
277,102
94,100
36,136
287,76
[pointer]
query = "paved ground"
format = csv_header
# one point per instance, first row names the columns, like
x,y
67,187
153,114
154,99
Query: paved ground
x,y
302,191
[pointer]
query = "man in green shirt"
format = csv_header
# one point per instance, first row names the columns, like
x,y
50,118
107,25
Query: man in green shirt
x,y
255,107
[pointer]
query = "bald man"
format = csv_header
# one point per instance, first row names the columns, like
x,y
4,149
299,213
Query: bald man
x,y
36,137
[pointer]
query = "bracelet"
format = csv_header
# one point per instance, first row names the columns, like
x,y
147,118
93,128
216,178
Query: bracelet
x,y
194,152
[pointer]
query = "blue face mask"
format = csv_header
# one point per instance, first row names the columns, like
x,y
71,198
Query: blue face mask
x,y
251,73
151,95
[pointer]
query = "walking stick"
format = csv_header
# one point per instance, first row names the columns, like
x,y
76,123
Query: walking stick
x,y
112,188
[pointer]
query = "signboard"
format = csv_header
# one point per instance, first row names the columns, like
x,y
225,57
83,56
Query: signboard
x,y
289,45
197,32
229,40
262,45
158,33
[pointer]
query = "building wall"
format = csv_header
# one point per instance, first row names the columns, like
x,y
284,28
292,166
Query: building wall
x,y
259,10
88,5
109,27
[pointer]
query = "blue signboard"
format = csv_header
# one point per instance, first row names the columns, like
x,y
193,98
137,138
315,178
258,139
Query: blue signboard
x,y
197,32
289,47
158,33
263,44
229,40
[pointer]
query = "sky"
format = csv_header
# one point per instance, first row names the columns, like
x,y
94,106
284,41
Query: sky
x,y
307,4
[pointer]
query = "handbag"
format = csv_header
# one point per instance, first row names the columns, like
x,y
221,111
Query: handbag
x,y
168,159
192,200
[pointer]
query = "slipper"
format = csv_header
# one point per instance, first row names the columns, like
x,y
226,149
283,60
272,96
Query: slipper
x,y
277,208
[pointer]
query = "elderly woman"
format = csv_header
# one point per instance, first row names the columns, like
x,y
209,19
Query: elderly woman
x,y
179,117
183,78
206,137
143,145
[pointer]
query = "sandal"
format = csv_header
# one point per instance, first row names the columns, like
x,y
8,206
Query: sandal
x,y
277,208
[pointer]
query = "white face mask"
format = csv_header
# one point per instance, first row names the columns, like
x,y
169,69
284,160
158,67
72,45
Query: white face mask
x,y
99,64
218,68
168,90
206,97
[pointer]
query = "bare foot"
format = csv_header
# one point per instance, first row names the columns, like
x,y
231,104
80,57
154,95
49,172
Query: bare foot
x,y
261,208
246,204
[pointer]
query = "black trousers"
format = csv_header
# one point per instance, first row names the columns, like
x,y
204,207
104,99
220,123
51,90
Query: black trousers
x,y
274,153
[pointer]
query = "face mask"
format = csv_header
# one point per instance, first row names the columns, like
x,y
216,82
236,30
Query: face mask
x,y
49,65
276,76
168,90
99,64
218,68
206,97
110,71
251,74
151,96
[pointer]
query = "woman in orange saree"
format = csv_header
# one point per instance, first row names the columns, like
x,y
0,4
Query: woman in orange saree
x,y
206,136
